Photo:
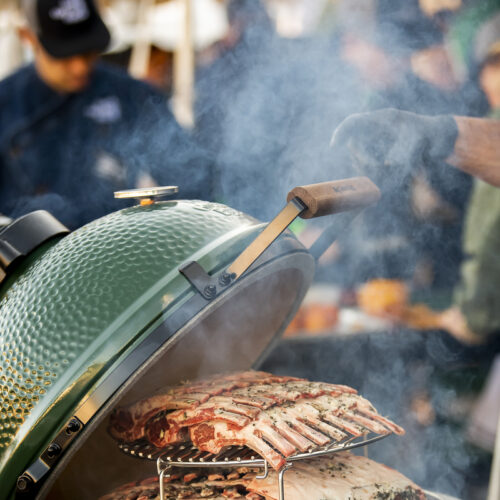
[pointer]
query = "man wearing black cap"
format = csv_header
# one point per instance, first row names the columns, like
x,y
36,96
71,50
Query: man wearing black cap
x,y
73,130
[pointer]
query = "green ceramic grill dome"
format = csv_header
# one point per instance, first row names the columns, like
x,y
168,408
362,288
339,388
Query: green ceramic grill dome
x,y
113,311
79,301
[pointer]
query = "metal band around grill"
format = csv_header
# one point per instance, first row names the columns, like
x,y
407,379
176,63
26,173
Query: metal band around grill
x,y
30,481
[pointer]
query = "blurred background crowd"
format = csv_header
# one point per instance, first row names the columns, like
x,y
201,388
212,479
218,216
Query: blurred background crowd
x,y
262,85
255,90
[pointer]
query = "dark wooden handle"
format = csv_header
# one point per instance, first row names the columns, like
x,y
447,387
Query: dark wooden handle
x,y
333,197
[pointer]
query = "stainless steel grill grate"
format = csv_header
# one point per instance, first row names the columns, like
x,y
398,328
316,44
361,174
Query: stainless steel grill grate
x,y
187,456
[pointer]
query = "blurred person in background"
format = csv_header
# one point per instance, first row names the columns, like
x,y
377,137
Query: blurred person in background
x,y
405,65
475,316
264,104
487,57
391,145
236,116
477,311
403,61
73,130
224,67
160,70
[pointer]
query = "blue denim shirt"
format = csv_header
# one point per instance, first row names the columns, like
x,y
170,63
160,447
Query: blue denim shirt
x,y
67,153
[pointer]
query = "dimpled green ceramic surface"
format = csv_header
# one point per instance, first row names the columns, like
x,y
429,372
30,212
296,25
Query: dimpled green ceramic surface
x,y
70,312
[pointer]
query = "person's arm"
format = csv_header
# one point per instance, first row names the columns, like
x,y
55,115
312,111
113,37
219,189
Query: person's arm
x,y
389,144
477,148
454,322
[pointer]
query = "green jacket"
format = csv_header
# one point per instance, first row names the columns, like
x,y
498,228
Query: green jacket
x,y
478,293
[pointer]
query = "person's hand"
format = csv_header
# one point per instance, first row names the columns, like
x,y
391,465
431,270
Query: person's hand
x,y
386,145
453,321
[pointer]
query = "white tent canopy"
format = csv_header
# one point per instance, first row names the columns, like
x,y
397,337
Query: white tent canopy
x,y
164,24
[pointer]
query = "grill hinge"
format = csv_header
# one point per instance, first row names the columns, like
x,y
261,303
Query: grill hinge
x,y
29,482
208,286
211,286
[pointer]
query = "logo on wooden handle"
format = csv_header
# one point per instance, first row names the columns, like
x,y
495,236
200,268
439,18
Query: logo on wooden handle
x,y
343,188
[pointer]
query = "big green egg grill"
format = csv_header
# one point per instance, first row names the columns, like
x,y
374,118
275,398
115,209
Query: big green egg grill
x,y
142,298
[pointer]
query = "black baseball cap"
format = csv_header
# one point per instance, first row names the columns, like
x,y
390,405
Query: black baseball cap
x,y
67,28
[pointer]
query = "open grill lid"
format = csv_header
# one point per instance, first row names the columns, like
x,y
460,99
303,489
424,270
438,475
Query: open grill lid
x,y
85,315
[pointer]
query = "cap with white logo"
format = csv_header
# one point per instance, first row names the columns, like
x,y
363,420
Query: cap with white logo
x,y
67,27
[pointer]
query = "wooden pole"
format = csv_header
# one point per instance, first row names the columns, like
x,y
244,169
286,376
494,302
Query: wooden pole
x,y
184,71
11,49
141,50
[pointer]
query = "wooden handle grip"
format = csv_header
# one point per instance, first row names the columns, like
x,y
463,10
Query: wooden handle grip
x,y
333,197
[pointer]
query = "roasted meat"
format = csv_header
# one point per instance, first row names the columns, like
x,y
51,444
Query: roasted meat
x,y
129,424
275,416
191,485
338,477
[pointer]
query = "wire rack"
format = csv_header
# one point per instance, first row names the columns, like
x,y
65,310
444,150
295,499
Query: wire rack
x,y
187,456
